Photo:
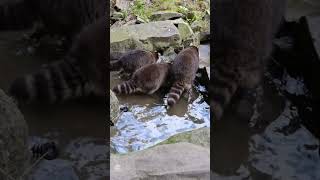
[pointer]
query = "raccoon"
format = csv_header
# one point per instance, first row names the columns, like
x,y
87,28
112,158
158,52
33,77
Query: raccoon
x,y
133,60
148,79
65,18
243,39
82,72
183,70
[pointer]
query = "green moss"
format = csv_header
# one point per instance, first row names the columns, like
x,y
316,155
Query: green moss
x,y
191,10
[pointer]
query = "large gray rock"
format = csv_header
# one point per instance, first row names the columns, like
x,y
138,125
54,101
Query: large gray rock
x,y
149,36
204,57
165,15
14,152
199,137
183,161
122,4
187,35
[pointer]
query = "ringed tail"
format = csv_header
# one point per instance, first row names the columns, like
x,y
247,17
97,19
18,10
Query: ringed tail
x,y
55,82
223,87
175,93
127,87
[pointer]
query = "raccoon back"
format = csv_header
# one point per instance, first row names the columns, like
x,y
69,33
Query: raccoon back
x,y
184,70
147,79
186,64
135,59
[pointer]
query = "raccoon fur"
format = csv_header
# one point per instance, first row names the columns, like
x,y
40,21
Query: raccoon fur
x,y
133,60
243,39
148,79
183,71
82,72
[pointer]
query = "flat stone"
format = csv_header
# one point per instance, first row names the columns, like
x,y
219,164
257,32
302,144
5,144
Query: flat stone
x,y
183,161
151,36
199,137
165,15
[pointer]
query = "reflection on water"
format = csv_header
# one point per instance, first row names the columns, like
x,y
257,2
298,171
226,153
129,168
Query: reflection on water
x,y
146,125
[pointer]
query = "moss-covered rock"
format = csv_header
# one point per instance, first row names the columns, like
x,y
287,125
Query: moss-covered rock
x,y
151,36
199,137
165,15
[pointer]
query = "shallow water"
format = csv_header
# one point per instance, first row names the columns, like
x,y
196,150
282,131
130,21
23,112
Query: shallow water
x,y
148,122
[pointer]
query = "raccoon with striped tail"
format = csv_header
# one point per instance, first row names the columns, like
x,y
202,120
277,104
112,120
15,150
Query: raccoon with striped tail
x,y
82,72
148,79
132,60
183,71
243,42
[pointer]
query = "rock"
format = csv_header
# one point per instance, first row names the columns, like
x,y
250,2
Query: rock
x,y
14,152
89,157
140,20
299,8
165,15
168,55
208,72
153,36
117,16
54,170
313,24
186,33
170,161
204,56
114,107
197,26
204,36
309,45
199,137
122,4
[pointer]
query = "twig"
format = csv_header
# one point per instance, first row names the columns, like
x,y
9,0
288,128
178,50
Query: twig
x,y
33,165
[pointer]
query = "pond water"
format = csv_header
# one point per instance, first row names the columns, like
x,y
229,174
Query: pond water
x,y
148,122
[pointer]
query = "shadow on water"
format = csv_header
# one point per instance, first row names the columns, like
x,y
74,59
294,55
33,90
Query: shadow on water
x,y
279,146
78,127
